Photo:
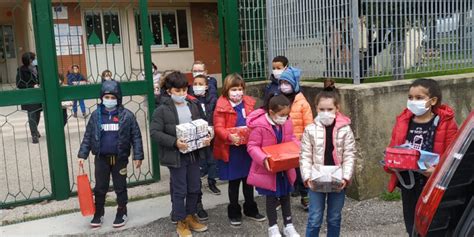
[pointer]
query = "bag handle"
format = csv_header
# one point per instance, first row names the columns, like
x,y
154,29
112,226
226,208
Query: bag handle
x,y
402,181
81,169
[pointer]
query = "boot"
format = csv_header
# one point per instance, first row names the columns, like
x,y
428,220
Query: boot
x,y
194,224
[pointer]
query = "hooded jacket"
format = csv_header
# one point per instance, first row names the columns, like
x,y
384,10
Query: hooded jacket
x,y
129,131
314,141
445,134
262,135
272,87
301,115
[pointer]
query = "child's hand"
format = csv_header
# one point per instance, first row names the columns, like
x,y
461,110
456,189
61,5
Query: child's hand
x,y
267,166
181,145
343,184
234,139
137,163
429,172
308,183
81,162
207,141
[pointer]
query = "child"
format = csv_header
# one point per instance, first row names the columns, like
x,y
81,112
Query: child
x,y
233,160
328,141
301,116
271,126
427,125
199,68
110,133
279,64
76,78
106,75
177,109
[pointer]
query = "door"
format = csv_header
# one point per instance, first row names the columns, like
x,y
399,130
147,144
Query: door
x,y
8,57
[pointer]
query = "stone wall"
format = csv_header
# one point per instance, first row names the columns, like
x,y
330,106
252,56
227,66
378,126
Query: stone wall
x,y
373,108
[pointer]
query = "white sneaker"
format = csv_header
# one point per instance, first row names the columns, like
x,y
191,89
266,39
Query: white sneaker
x,y
274,231
289,231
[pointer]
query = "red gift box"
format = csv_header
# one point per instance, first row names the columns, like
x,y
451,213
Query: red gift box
x,y
243,132
283,156
401,158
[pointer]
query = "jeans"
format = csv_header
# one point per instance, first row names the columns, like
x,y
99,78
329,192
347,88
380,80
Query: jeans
x,y
208,166
81,104
317,204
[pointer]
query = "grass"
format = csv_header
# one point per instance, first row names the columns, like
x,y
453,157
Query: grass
x,y
391,197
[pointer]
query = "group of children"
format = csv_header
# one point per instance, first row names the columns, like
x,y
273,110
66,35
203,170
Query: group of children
x,y
326,140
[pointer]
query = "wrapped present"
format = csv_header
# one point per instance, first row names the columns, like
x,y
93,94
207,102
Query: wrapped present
x,y
283,156
401,158
326,179
242,131
193,134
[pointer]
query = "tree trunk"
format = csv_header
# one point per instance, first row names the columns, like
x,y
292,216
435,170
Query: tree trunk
x,y
397,55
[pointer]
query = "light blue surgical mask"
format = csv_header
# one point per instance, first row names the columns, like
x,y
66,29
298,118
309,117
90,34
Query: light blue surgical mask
x,y
109,103
34,63
179,99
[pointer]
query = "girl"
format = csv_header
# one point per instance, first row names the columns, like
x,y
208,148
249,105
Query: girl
x,y
271,126
73,79
427,125
233,160
328,141
106,75
301,116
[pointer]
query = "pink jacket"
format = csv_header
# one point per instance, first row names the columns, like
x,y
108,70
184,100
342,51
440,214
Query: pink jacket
x,y
263,135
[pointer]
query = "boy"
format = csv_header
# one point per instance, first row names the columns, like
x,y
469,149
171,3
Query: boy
x,y
76,78
279,64
199,68
177,109
110,133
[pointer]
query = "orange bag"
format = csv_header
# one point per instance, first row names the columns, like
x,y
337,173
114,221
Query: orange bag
x,y
84,193
283,156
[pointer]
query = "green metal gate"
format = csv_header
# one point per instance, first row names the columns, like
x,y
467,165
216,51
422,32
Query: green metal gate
x,y
95,35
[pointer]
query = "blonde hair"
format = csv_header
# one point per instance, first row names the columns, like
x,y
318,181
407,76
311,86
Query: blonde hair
x,y
232,80
198,62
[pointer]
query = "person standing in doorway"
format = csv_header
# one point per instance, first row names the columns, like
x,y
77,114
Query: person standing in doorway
x,y
73,79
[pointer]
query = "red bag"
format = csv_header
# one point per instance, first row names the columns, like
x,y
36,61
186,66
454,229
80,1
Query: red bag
x,y
283,156
243,132
84,194
401,158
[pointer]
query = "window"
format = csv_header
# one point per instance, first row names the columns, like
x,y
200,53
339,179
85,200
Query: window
x,y
169,28
102,27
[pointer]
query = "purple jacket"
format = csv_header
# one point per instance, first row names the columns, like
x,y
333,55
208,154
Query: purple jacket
x,y
263,135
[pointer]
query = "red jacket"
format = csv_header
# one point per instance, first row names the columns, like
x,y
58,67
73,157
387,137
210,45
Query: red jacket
x,y
445,133
226,117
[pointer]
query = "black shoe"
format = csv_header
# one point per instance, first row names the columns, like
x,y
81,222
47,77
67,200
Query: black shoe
x,y
35,140
258,217
213,188
172,220
202,214
97,220
235,222
121,217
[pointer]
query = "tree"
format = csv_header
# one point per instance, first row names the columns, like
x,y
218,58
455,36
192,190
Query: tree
x,y
167,39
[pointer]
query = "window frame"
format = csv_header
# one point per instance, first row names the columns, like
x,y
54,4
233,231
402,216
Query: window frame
x,y
104,38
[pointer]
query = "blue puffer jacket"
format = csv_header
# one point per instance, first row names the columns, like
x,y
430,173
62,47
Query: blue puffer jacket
x,y
129,131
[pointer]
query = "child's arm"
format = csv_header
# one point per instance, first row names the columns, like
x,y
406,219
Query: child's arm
x,y
88,138
254,147
212,83
306,157
157,128
451,131
348,155
219,126
70,78
137,142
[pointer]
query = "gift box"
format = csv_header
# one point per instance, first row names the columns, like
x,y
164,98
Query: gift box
x,y
326,178
242,131
193,134
401,158
283,156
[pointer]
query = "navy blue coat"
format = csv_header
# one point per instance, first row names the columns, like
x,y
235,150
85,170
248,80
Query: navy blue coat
x,y
272,87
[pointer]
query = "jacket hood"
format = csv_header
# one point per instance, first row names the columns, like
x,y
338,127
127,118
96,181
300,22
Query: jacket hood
x,y
341,120
443,111
292,75
257,119
113,88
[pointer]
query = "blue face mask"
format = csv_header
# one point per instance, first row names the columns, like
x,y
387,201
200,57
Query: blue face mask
x,y
109,103
179,99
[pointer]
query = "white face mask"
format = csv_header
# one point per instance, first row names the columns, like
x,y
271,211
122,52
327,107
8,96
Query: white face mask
x,y
280,120
277,73
179,99
236,96
326,118
417,107
286,88
34,63
199,90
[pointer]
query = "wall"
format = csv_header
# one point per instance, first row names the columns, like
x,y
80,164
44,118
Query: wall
x,y
373,109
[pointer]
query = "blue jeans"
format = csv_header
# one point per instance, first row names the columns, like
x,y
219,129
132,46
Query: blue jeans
x,y
208,166
81,104
317,203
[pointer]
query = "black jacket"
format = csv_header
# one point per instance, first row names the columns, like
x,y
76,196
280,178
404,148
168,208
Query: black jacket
x,y
25,79
163,131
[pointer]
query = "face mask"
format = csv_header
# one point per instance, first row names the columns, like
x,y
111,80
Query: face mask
x,y
109,103
417,107
277,73
179,99
195,74
236,96
34,63
199,90
107,78
286,88
326,118
280,120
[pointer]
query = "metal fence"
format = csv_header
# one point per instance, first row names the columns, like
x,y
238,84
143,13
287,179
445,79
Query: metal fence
x,y
371,38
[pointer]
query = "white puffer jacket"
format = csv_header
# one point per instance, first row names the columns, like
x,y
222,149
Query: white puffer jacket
x,y
313,145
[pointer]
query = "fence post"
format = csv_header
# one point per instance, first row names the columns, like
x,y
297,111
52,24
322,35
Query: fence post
x,y
355,42
146,45
221,7
53,120
270,50
232,36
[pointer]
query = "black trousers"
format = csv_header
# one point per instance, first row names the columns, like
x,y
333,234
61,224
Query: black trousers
x,y
104,167
250,206
272,203
33,121
410,198
299,186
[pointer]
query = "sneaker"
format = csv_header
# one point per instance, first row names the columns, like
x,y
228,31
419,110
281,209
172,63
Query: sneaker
x,y
258,217
305,202
173,221
183,230
97,220
274,231
74,114
289,231
121,217
194,224
202,214
236,222
213,189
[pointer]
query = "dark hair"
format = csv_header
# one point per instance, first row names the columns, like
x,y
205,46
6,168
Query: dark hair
x,y
27,58
154,66
329,92
74,65
175,79
203,77
276,103
232,80
281,59
432,86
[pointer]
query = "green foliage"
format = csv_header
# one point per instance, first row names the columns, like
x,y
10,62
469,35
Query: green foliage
x,y
390,197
